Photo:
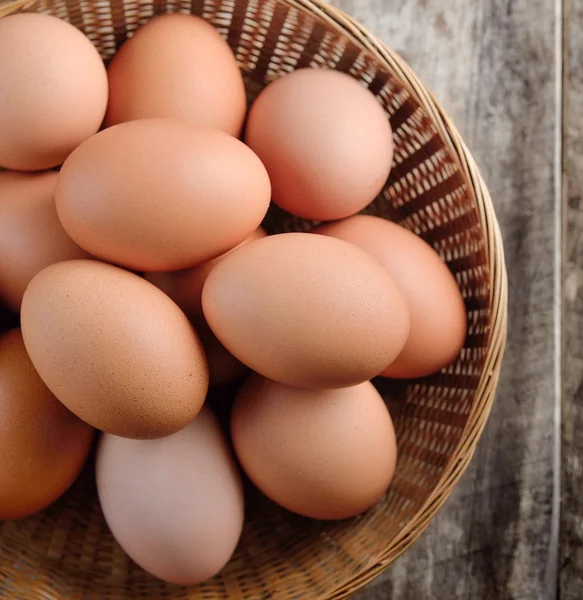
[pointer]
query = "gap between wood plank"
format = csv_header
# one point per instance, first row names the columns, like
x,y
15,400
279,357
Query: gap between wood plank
x,y
553,580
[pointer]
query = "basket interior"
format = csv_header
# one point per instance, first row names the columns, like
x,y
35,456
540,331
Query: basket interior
x,y
67,550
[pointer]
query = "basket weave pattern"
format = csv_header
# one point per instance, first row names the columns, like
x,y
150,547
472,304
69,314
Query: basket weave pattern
x,y
435,190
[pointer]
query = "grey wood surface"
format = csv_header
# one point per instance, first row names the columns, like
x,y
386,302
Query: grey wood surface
x,y
495,65
571,562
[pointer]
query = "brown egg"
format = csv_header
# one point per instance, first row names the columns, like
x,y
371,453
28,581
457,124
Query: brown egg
x,y
161,195
53,93
175,505
185,288
325,141
323,454
438,314
177,66
43,446
306,310
114,349
31,235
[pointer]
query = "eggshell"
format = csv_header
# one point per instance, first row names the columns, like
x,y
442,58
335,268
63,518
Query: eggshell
x,y
177,66
31,235
185,288
42,445
176,504
438,314
161,195
114,349
327,454
306,310
53,93
325,141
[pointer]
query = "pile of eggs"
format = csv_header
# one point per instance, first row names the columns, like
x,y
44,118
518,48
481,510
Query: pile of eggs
x,y
131,245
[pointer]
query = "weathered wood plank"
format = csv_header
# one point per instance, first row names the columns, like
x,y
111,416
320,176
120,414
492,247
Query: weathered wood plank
x,y
572,445
492,65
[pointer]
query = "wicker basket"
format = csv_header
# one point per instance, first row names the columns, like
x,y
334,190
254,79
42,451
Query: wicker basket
x,y
435,190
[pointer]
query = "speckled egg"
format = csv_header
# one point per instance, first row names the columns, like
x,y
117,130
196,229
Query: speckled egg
x,y
114,349
306,310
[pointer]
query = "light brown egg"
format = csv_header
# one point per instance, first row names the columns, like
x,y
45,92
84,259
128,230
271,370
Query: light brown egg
x,y
31,235
325,141
438,314
161,195
114,349
185,288
175,505
42,445
53,93
306,310
177,66
323,454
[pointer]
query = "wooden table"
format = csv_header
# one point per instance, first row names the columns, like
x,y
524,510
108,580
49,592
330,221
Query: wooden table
x,y
510,74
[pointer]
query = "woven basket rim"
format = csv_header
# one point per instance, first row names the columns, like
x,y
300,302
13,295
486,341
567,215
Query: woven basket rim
x,y
485,393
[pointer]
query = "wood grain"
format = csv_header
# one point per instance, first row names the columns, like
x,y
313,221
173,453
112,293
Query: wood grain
x,y
492,64
572,445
